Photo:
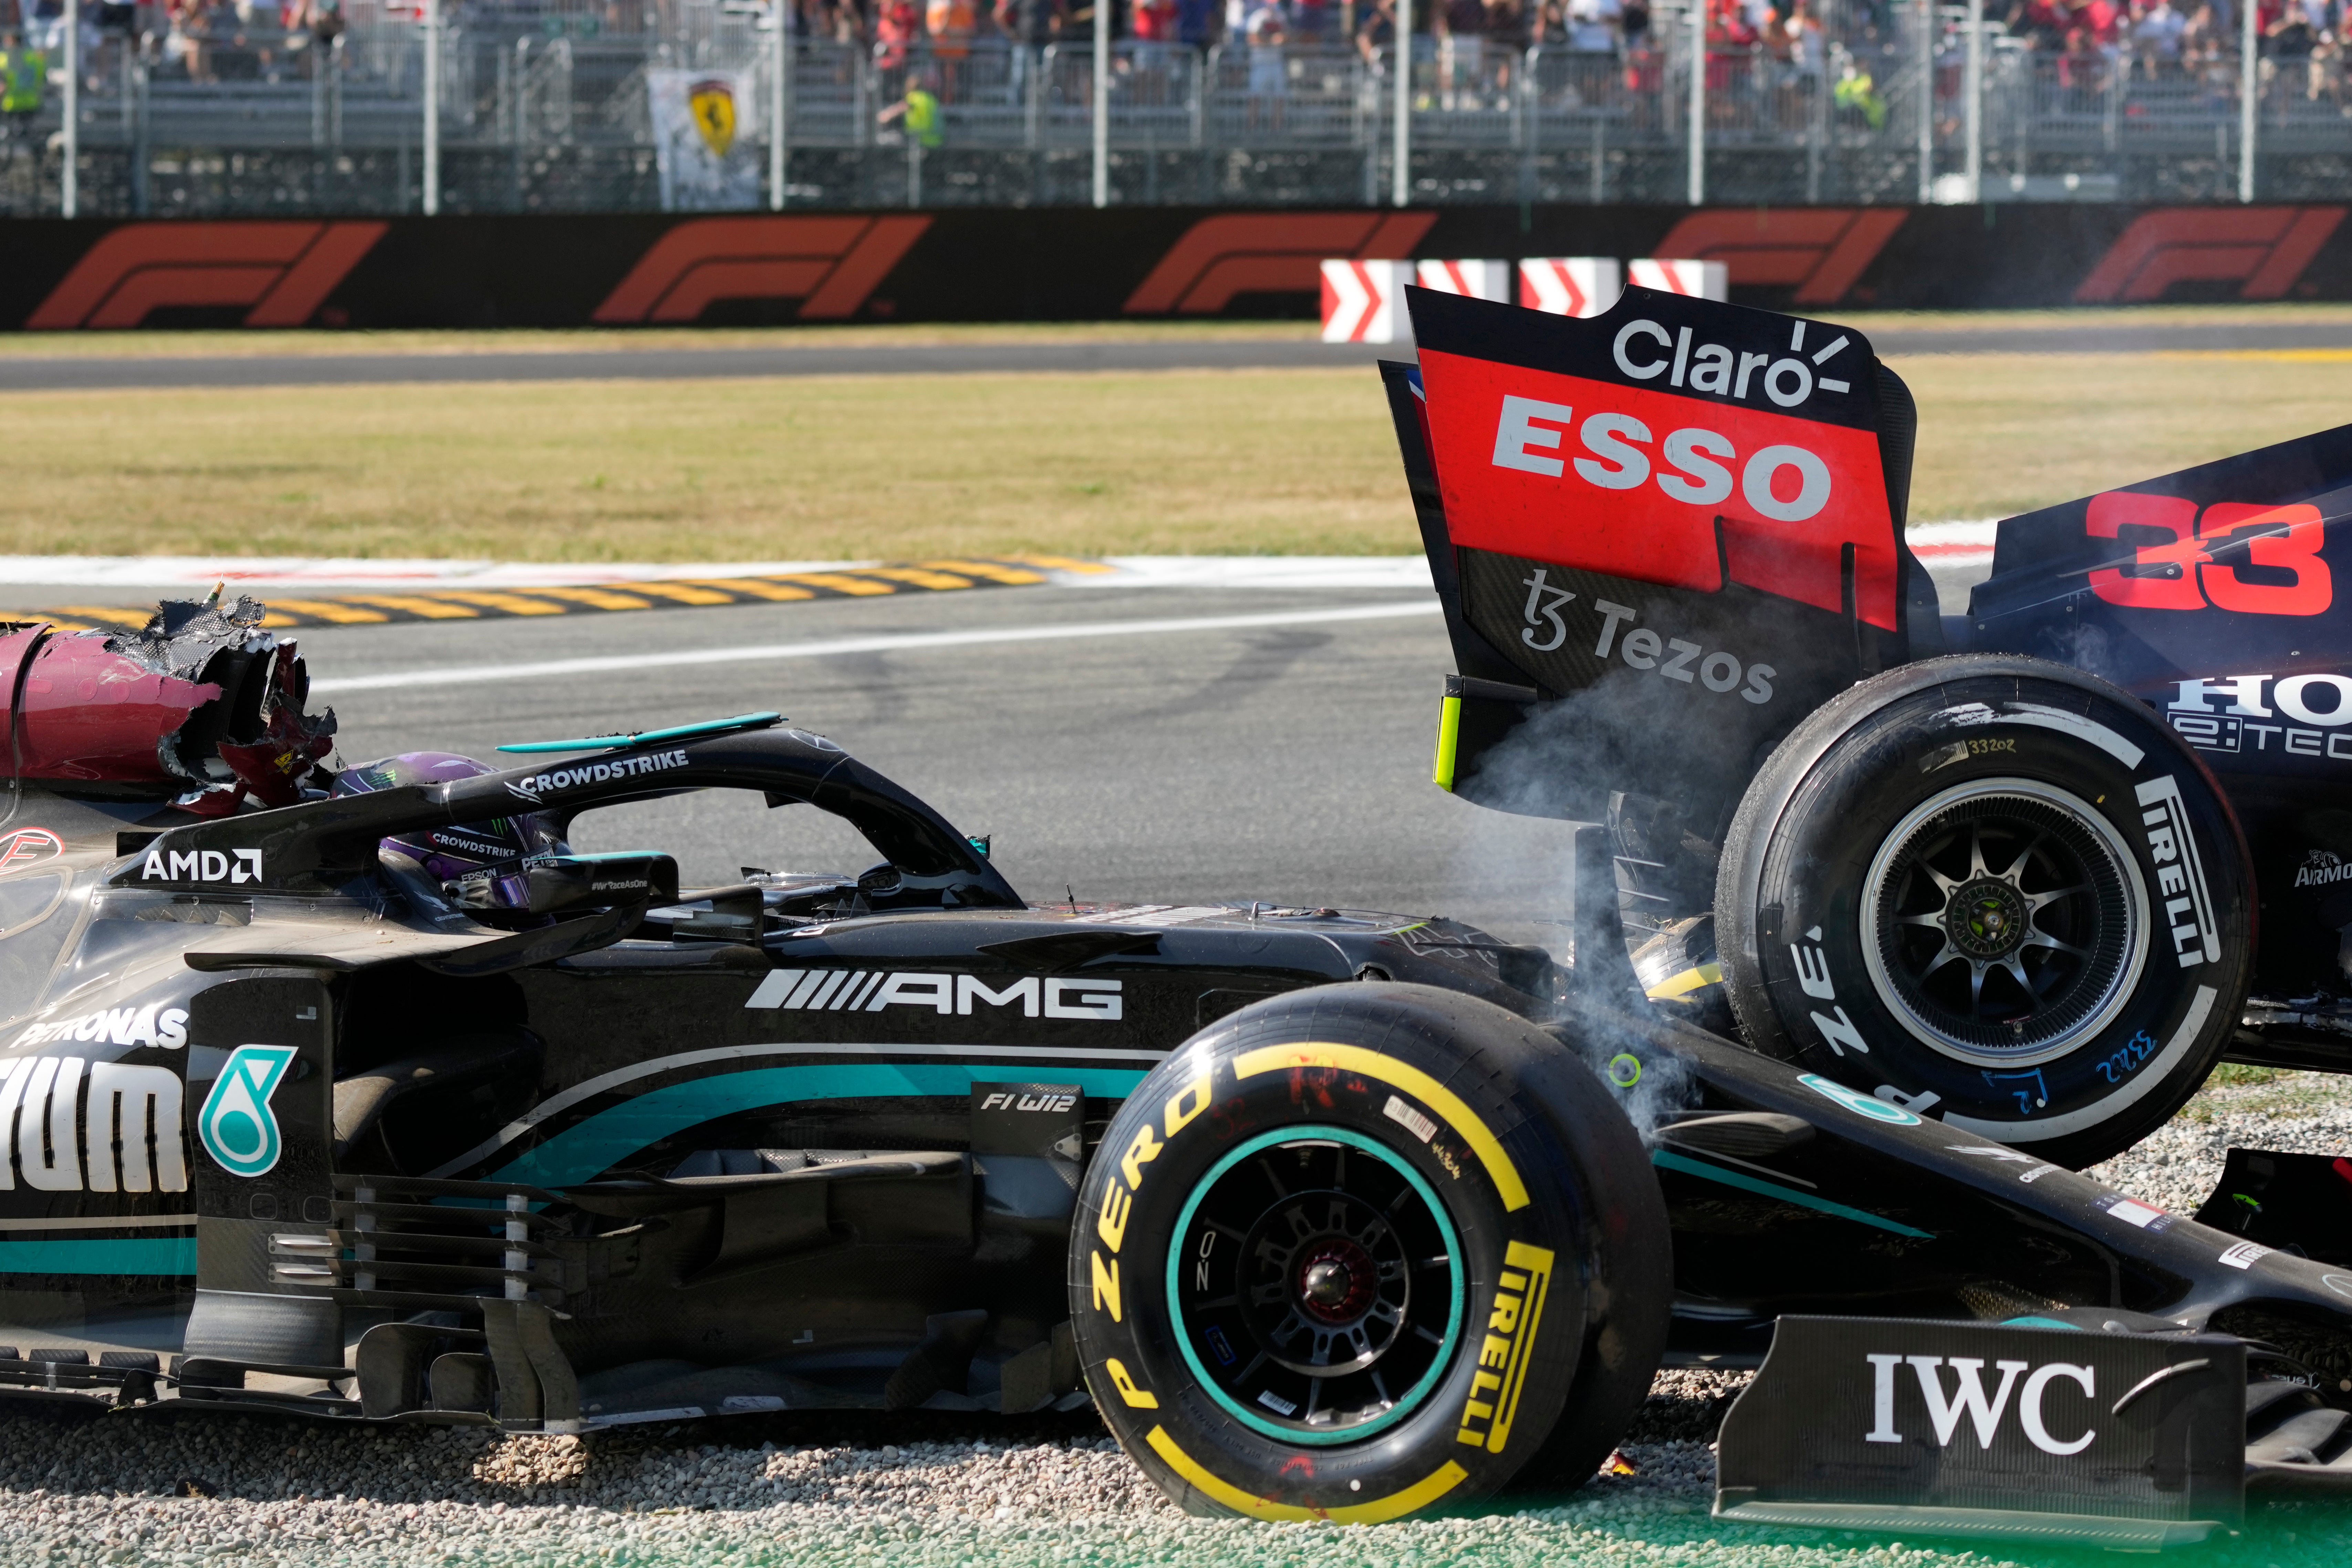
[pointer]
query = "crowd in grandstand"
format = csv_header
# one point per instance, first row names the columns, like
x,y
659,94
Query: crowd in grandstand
x,y
1473,45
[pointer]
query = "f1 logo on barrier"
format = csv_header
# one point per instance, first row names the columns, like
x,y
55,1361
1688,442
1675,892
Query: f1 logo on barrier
x,y
2264,249
831,265
283,270
2183,575
1822,251
1276,253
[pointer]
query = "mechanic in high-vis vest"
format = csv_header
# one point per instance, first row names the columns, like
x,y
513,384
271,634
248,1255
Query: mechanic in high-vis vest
x,y
24,75
921,109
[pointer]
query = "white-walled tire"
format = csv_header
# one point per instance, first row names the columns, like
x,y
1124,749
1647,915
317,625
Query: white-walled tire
x,y
1998,891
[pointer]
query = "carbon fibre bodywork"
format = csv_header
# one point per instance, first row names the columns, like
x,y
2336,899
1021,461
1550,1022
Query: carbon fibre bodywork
x,y
803,1142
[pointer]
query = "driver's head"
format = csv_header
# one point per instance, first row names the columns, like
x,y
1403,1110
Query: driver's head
x,y
449,853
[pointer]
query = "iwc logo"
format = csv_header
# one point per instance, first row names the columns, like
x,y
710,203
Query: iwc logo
x,y
237,1124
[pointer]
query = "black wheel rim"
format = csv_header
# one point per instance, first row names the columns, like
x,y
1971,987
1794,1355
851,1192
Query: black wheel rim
x,y
1316,1284
2005,922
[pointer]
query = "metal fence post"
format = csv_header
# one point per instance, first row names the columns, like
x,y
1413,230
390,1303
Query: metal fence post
x,y
1926,101
1974,86
432,108
1401,156
2249,84
1697,192
779,104
69,180
1102,103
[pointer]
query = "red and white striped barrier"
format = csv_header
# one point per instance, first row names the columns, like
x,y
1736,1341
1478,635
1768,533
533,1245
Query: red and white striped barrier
x,y
1363,301
1474,279
1706,279
1571,285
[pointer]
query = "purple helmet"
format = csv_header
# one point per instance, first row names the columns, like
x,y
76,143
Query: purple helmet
x,y
450,853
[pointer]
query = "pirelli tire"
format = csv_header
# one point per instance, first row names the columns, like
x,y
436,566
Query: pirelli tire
x,y
1996,891
1367,1250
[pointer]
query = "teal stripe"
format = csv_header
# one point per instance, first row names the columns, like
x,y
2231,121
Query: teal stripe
x,y
1673,1162
605,1140
132,1254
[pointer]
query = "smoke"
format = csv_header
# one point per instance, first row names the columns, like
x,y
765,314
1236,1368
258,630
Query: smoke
x,y
1519,852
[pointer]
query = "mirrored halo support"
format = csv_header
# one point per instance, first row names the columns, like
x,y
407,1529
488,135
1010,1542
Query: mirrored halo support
x,y
2091,832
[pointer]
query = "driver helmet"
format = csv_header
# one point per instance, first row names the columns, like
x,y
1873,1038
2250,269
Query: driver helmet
x,y
447,853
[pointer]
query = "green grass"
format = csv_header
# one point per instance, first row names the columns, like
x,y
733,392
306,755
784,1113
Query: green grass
x,y
1182,462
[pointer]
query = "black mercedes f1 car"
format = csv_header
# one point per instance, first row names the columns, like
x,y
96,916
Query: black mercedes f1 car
x,y
356,1093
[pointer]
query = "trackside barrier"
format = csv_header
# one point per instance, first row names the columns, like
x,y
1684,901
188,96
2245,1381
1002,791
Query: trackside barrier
x,y
1706,279
1571,285
1363,301
1477,279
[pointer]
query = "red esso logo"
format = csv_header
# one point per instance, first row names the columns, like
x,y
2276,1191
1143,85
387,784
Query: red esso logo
x,y
2182,574
1695,465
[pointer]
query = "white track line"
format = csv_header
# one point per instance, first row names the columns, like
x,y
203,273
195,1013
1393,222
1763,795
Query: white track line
x,y
468,674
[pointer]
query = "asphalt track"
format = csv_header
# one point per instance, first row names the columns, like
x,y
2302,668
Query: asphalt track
x,y
1174,745
104,373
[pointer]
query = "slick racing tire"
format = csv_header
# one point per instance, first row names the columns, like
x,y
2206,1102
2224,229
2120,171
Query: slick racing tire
x,y
1366,1251
1996,891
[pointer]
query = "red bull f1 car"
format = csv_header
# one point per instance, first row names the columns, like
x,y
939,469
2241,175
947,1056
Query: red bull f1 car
x,y
353,1092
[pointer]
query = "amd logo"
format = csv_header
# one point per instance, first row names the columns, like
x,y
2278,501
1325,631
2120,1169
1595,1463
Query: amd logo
x,y
1967,1398
201,866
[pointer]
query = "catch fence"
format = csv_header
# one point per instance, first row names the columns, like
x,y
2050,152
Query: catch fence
x,y
548,109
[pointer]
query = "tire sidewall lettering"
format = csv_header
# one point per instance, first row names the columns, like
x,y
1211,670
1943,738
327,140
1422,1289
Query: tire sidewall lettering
x,y
1455,1419
1815,868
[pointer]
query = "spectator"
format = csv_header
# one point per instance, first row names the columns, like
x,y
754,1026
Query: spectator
x,y
1633,25
1153,25
897,26
24,74
1376,34
1461,29
920,111
1811,41
951,24
1196,22
2157,34
1031,24
1269,72
1856,97
1593,26
1312,22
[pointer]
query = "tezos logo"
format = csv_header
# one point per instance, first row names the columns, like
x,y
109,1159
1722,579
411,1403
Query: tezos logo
x,y
236,1125
1675,658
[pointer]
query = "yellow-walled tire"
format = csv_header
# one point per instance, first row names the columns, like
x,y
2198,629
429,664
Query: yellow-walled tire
x,y
1367,1250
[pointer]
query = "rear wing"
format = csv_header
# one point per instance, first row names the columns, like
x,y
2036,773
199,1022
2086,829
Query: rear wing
x,y
1660,537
